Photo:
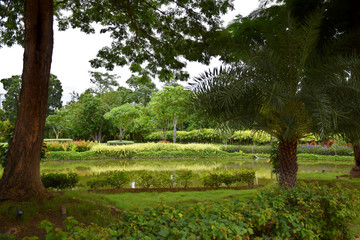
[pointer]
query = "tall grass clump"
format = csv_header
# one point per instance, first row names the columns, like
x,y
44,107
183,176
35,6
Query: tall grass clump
x,y
130,150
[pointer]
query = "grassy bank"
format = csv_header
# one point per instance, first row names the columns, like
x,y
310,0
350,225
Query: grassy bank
x,y
107,209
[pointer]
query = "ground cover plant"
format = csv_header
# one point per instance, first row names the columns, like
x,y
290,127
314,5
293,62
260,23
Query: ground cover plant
x,y
272,212
77,202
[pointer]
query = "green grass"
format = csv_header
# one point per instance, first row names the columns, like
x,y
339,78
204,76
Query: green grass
x,y
126,201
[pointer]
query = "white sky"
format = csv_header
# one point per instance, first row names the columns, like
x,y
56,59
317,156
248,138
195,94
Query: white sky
x,y
73,50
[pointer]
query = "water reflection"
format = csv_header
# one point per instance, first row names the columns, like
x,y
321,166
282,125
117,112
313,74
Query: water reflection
x,y
263,168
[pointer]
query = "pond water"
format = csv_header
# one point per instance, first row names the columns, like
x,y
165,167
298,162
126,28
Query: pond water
x,y
261,166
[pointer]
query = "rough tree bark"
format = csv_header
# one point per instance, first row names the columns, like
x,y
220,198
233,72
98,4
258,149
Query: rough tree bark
x,y
288,166
21,178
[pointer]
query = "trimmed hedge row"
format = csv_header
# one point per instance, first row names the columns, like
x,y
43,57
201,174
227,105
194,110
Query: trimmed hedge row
x,y
213,136
58,140
130,150
118,142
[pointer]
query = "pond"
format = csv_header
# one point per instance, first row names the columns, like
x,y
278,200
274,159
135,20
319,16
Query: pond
x,y
261,165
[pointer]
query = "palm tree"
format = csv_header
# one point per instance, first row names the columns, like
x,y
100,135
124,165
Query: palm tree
x,y
279,87
346,99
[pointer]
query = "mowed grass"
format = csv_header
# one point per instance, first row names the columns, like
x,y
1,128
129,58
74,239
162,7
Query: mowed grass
x,y
126,201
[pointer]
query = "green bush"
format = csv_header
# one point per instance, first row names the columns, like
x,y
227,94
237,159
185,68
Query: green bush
x,y
306,212
96,183
245,176
212,180
146,179
118,179
60,180
164,180
184,177
118,142
216,179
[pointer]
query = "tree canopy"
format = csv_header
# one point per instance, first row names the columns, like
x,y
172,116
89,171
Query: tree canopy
x,y
12,97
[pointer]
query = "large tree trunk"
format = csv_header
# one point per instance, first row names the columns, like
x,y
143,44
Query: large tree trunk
x,y
288,166
355,171
21,178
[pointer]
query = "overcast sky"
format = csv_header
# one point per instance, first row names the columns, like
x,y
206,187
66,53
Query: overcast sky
x,y
73,50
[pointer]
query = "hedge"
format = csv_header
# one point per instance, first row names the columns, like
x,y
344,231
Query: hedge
x,y
118,142
211,136
129,150
58,140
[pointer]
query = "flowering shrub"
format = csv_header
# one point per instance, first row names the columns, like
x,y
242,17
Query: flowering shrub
x,y
324,150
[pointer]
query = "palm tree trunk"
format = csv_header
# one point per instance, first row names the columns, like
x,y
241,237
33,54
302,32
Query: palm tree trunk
x,y
355,171
288,166
356,148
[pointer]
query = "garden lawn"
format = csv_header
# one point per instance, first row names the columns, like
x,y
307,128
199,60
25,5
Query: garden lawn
x,y
125,201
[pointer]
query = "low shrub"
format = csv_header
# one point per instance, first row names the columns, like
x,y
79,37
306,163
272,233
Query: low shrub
x,y
146,179
217,179
96,183
118,142
305,212
60,180
117,179
164,180
184,177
